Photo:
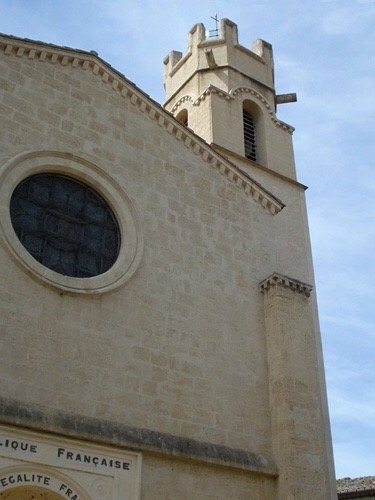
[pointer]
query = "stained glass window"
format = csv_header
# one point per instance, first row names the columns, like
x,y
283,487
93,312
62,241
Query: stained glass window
x,y
65,225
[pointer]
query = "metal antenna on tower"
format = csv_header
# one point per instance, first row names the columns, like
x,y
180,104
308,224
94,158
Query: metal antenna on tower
x,y
215,32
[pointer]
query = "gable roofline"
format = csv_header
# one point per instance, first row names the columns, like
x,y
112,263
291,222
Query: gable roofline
x,y
77,58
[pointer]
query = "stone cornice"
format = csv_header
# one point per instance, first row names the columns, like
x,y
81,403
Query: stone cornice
x,y
286,282
212,89
227,152
36,417
219,67
90,61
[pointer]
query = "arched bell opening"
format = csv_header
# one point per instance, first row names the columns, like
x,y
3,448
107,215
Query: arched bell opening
x,y
253,132
183,117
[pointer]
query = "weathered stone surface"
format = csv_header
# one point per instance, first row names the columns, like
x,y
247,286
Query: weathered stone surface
x,y
180,360
81,427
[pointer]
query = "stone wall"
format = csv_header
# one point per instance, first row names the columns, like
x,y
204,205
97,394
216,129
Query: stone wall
x,y
179,349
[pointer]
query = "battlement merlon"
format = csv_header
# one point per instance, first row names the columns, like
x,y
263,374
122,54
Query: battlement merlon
x,y
219,54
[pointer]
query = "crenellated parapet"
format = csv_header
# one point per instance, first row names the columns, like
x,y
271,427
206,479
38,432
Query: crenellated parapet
x,y
216,81
218,53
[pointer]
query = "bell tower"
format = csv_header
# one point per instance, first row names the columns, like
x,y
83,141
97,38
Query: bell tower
x,y
226,94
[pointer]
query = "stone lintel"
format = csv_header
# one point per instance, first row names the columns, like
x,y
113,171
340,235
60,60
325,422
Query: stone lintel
x,y
286,282
35,417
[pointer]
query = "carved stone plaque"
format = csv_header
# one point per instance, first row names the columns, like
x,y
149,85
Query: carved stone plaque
x,y
35,465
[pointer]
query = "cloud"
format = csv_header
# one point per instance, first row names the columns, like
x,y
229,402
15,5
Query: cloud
x,y
351,395
349,410
349,323
348,20
354,458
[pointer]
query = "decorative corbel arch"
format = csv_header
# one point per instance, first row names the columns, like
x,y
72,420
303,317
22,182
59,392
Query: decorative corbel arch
x,y
254,93
182,100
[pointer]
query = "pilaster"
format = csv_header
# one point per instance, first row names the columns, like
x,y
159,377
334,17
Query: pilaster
x,y
298,436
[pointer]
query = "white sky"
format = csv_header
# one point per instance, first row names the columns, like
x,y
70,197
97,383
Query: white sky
x,y
324,51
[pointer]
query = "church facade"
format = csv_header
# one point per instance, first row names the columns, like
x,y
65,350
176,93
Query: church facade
x,y
159,329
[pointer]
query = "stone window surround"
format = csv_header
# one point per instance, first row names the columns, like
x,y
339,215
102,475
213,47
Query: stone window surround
x,y
131,249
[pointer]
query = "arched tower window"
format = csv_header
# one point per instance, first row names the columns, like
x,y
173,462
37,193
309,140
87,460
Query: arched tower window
x,y
254,132
182,117
249,133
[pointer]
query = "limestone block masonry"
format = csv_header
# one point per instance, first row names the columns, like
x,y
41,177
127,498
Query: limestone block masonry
x,y
192,368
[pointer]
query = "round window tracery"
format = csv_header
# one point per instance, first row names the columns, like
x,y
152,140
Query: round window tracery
x,y
65,225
